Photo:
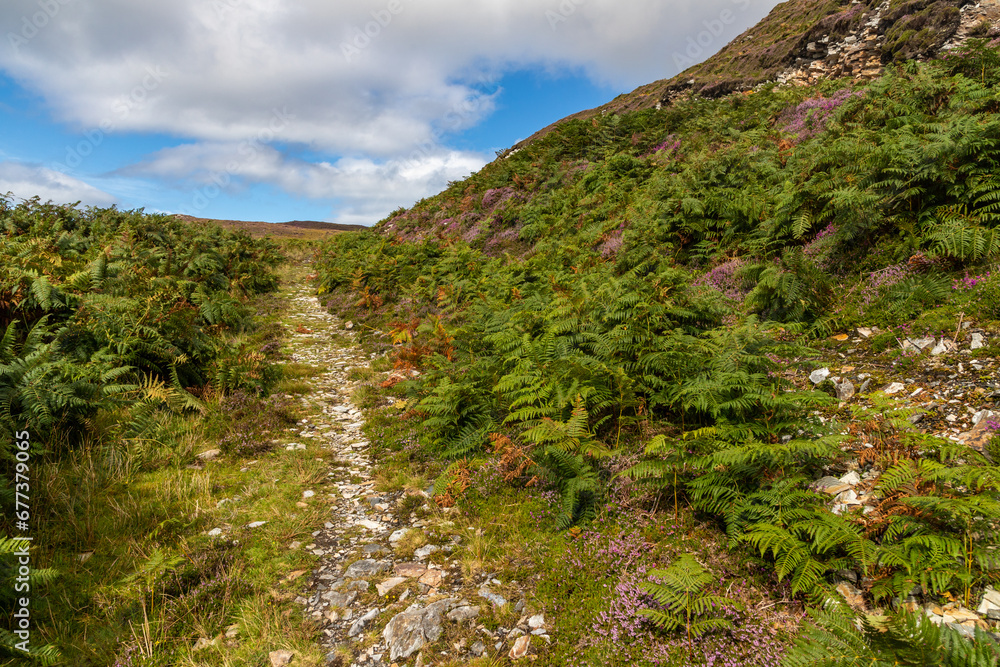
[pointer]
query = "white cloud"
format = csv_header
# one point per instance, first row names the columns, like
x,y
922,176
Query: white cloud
x,y
216,69
26,181
364,189
371,78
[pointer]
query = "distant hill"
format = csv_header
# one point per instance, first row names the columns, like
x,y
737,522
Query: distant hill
x,y
302,229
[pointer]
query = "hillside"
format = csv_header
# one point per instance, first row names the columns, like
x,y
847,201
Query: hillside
x,y
802,41
741,346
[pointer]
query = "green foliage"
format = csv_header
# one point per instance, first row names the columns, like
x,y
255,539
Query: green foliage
x,y
678,590
836,638
110,317
642,284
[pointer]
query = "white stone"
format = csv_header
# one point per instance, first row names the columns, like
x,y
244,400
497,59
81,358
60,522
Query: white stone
x,y
256,524
851,478
894,388
944,346
308,494
818,375
425,551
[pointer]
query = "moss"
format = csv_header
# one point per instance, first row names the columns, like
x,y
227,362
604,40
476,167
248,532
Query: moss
x,y
918,29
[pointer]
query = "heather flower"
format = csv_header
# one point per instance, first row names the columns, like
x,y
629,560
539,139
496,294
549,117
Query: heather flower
x,y
811,116
725,279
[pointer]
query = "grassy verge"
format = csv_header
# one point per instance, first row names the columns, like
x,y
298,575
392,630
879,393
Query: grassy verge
x,y
159,553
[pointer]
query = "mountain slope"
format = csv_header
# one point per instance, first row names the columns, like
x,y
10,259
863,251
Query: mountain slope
x,y
801,41
740,312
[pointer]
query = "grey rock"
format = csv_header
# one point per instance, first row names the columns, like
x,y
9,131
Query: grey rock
x,y
487,594
991,601
977,342
360,624
398,535
425,551
364,568
280,658
894,388
851,478
864,385
845,390
465,613
537,621
478,648
921,343
339,599
963,630
408,631
374,549
944,346
209,455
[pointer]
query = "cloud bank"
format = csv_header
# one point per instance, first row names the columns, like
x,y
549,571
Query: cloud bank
x,y
370,81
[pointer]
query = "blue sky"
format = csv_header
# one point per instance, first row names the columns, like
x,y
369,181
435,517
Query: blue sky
x,y
304,109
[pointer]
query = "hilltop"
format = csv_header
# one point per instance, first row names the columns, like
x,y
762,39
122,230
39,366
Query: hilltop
x,y
803,41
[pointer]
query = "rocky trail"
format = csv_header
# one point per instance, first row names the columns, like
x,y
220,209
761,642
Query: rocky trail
x,y
389,588
373,607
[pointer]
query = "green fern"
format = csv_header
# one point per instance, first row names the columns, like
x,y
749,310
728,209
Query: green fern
x,y
836,638
677,591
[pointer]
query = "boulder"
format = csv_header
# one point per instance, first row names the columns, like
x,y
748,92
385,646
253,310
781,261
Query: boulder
x,y
487,594
408,631
360,624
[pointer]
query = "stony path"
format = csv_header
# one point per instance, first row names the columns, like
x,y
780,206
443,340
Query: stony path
x,y
359,590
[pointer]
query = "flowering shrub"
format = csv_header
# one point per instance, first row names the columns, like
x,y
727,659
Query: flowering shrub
x,y
725,279
879,281
811,116
669,146
967,282
496,197
821,246
612,243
